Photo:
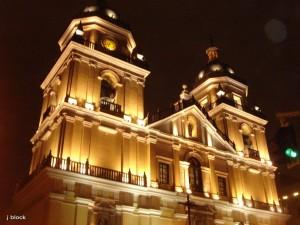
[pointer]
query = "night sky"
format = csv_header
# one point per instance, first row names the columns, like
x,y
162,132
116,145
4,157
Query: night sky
x,y
258,39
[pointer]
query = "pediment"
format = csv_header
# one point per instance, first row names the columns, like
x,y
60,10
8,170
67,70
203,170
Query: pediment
x,y
192,124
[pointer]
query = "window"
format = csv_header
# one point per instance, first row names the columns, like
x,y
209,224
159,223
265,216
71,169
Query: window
x,y
107,91
204,102
238,101
163,173
222,186
195,175
247,141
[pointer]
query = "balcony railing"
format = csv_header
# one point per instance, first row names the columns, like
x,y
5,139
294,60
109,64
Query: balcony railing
x,y
253,154
87,169
111,108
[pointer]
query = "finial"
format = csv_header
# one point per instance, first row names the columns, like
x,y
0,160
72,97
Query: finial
x,y
212,51
185,95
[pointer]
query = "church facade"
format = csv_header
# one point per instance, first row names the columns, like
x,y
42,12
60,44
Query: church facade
x,y
98,160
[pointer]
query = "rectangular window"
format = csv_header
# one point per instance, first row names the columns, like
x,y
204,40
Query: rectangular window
x,y
238,101
163,173
204,102
222,186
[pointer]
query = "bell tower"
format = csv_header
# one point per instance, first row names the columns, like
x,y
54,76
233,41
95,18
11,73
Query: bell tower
x,y
223,94
99,76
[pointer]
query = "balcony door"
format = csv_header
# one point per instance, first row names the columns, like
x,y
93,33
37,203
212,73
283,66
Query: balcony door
x,y
195,175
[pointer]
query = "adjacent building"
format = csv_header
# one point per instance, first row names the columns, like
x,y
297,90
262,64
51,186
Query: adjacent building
x,y
98,160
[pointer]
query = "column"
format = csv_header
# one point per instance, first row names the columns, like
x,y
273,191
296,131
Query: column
x,y
268,195
152,179
184,175
176,149
213,179
273,188
243,174
231,179
125,151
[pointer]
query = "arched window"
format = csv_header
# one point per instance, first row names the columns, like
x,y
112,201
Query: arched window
x,y
246,132
108,92
195,175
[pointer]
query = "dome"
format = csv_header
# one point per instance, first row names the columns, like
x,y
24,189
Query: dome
x,y
215,68
100,9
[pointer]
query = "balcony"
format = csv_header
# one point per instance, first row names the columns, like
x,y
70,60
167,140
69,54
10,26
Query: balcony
x,y
253,154
111,108
86,169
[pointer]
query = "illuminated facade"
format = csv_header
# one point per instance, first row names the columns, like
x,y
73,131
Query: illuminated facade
x,y
97,160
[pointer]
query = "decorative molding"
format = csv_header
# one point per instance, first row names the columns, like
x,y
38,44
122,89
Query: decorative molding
x,y
184,164
87,124
272,175
176,146
69,119
229,162
151,140
244,167
141,139
126,135
164,159
236,165
79,118
211,157
265,173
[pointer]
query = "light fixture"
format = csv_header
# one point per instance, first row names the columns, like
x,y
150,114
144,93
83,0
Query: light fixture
x,y
220,91
240,153
89,106
285,197
127,118
141,122
72,101
295,194
140,57
215,196
178,189
206,195
257,108
201,74
249,204
272,208
188,191
79,30
111,14
279,210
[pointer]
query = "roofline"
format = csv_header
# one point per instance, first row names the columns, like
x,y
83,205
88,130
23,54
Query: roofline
x,y
79,48
218,80
202,116
69,32
240,113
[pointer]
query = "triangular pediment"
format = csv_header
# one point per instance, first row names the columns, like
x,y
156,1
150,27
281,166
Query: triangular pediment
x,y
192,124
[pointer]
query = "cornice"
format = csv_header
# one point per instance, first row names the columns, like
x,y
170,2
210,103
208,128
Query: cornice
x,y
237,112
83,52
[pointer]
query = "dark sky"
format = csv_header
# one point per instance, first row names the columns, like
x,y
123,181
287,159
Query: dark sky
x,y
259,39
